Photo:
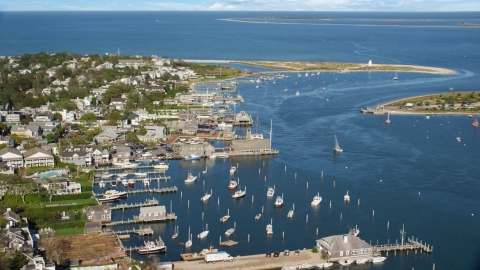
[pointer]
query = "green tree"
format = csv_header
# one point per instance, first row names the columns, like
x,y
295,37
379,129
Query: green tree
x,y
31,143
58,116
78,140
132,137
116,91
88,119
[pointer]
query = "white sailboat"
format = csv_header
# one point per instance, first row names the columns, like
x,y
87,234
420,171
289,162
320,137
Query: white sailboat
x,y
346,198
388,119
337,146
396,76
316,200
189,242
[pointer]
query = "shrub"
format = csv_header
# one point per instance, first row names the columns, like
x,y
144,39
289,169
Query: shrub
x,y
315,249
69,197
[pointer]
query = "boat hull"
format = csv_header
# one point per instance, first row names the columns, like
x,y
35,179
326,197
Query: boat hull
x,y
152,250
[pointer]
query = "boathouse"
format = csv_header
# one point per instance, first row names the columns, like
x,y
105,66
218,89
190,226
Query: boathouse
x,y
152,213
254,147
344,246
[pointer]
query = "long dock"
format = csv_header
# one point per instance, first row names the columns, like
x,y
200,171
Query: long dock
x,y
124,206
135,220
411,244
150,190
161,178
141,231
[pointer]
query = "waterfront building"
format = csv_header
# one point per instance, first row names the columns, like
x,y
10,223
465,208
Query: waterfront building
x,y
152,213
344,246
254,147
12,217
98,213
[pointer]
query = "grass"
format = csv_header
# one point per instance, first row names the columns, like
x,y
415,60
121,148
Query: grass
x,y
457,97
83,179
62,203
69,231
33,170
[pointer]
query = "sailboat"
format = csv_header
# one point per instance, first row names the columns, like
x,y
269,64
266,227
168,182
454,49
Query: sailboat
x,y
175,234
396,76
388,119
189,242
337,146
475,123
257,135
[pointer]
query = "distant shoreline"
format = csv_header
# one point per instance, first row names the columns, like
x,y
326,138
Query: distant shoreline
x,y
294,66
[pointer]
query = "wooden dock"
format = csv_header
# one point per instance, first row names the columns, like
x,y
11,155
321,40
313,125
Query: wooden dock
x,y
228,243
135,220
124,206
149,190
160,178
140,231
411,244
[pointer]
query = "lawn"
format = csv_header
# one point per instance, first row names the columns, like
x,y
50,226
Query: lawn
x,y
33,170
69,231
63,203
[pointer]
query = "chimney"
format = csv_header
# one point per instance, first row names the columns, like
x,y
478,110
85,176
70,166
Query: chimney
x,y
9,209
345,238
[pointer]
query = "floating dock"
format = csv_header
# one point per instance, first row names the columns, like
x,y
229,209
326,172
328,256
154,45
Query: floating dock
x,y
411,244
149,190
228,243
124,206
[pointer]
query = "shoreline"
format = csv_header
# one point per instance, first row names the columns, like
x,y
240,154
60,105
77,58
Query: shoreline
x,y
287,66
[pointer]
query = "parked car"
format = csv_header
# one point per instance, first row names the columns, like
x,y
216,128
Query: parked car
x,y
297,252
268,254
276,254
286,253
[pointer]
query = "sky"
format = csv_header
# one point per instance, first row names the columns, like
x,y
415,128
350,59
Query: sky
x,y
241,5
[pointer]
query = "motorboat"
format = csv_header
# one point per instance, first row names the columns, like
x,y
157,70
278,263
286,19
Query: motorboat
x,y
192,157
206,197
190,178
324,265
317,200
346,198
475,123
109,198
140,174
458,139
122,175
161,166
355,231
290,214
270,192
125,183
125,165
229,231
153,247
361,261
102,184
269,229
233,169
146,182
427,116
337,146
345,262
239,194
258,216
107,175
297,93
113,192
378,259
203,234
131,183
224,218
279,201
233,184
223,155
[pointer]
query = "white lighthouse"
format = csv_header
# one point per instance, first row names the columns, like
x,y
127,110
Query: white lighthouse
x,y
370,62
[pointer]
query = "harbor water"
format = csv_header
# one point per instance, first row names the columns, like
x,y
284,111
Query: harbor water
x,y
410,172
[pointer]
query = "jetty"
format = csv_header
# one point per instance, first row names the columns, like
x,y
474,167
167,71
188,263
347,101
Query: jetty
x,y
124,206
411,244
136,219
148,190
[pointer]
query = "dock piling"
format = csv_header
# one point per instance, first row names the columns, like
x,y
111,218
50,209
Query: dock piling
x,y
248,238
218,201
188,204
252,199
203,182
307,218
373,213
285,168
262,209
330,204
322,174
258,170
333,183
317,232
340,216
307,185
283,235
388,225
295,176
265,179
181,194
202,215
358,202
264,164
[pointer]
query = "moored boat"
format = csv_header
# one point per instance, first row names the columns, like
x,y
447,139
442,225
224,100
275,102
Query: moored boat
x,y
337,146
378,259
346,198
161,166
206,197
102,184
203,234
233,169
140,174
192,157
229,231
109,198
290,214
258,216
120,194
131,182
271,191
269,229
297,94
153,247
361,261
190,178
279,201
317,200
239,194
324,265
345,262
125,183
475,123
233,184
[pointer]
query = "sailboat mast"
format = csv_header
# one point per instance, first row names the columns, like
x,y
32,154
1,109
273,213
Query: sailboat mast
x,y
271,121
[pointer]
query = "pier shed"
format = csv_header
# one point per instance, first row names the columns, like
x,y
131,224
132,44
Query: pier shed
x,y
254,147
152,213
344,246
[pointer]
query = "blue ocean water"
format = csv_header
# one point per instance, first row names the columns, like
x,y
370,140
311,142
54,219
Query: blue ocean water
x,y
429,181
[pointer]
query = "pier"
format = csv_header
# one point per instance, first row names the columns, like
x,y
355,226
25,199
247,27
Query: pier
x,y
150,190
135,220
161,178
124,206
410,245
141,231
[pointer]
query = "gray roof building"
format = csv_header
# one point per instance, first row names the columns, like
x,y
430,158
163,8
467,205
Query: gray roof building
x,y
344,246
251,146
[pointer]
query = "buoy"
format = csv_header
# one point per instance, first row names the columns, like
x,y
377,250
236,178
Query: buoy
x,y
418,193
346,168
380,180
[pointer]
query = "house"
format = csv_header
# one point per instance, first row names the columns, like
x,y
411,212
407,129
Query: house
x,y
12,217
11,238
159,131
175,125
27,131
74,154
13,117
93,227
105,155
63,185
190,127
7,140
38,263
133,63
12,157
107,135
152,213
123,152
98,213
96,153
344,246
117,103
43,117
256,147
38,157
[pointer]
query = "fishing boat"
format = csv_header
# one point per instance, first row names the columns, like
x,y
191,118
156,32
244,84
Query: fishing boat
x,y
229,231
140,174
475,123
153,247
161,166
396,76
388,119
378,259
297,93
175,234
202,234
113,192
458,139
279,201
271,191
337,146
290,214
361,261
270,228
131,183
258,216
190,178
102,184
233,169
345,262
317,200
355,231
233,184
239,194
324,265
346,198
109,198
189,242
192,157
206,197
125,183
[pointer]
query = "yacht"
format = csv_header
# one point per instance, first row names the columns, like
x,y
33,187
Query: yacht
x,y
378,259
192,157
225,218
233,169
190,178
346,198
120,194
317,200
153,247
161,166
175,234
239,194
271,191
109,198
355,231
279,201
203,234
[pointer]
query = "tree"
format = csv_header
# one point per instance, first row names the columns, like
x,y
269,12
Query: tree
x,y
132,137
23,189
51,190
142,131
78,140
3,128
115,91
56,248
31,143
58,116
88,119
